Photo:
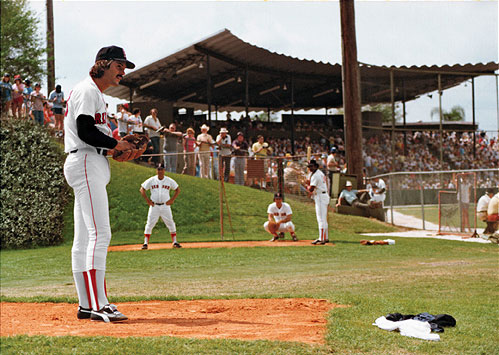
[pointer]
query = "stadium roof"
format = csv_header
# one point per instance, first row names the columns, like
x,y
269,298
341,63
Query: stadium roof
x,y
182,78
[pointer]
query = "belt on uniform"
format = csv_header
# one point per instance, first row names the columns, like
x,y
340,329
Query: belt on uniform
x,y
99,151
159,204
323,192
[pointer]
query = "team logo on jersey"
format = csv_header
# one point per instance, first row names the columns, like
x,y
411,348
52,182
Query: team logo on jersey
x,y
101,118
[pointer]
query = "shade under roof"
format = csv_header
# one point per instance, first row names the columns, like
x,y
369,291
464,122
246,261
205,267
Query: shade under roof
x,y
182,78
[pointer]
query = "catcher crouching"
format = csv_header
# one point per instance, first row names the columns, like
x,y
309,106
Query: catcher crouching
x,y
280,215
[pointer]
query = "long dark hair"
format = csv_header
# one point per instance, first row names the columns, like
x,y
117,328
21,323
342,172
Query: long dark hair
x,y
98,69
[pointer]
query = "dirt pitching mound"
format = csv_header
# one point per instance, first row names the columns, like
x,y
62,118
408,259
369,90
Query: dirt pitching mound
x,y
301,319
228,244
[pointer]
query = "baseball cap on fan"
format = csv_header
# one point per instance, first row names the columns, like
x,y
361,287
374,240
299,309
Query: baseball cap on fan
x,y
114,53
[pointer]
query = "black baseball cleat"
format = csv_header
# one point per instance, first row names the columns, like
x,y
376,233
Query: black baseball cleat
x,y
318,242
274,238
176,245
295,238
83,313
281,236
108,313
144,247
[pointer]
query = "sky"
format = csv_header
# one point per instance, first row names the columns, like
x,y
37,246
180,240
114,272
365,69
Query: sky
x,y
388,33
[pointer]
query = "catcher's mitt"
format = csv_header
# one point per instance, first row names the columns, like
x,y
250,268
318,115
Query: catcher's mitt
x,y
139,142
273,227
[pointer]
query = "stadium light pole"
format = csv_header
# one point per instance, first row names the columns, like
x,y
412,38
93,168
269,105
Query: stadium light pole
x,y
351,90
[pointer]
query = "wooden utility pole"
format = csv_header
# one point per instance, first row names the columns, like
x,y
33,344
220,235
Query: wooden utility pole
x,y
351,90
50,47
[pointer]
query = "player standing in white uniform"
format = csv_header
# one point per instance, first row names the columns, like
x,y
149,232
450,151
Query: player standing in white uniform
x,y
87,140
159,204
317,188
281,213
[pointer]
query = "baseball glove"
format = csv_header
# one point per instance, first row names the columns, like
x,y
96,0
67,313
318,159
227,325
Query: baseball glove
x,y
139,142
273,227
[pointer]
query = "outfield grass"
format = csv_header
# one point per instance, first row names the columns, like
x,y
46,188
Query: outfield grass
x,y
412,276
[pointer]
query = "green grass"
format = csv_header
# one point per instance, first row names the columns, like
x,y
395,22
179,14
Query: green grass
x,y
412,276
431,215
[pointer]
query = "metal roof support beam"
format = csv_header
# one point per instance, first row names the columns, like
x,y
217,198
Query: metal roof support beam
x,y
292,116
246,90
392,132
208,87
440,115
473,114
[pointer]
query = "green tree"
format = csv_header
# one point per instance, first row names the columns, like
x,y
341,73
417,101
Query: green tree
x,y
456,114
386,111
22,47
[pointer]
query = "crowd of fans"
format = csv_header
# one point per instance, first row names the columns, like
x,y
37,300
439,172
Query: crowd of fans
x,y
22,100
414,151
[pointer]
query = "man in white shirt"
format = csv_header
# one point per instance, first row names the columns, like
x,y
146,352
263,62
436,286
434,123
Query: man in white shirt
x,y
377,190
281,213
317,189
159,204
138,126
152,124
123,120
225,143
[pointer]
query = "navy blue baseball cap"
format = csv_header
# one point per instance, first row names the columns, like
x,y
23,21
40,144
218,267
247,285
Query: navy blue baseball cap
x,y
114,53
278,195
312,163
160,167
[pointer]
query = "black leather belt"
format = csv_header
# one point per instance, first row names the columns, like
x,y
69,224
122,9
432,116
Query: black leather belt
x,y
323,192
99,151
159,204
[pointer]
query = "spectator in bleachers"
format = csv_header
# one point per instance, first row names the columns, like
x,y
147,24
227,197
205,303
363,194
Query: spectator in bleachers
x,y
189,142
225,143
152,124
204,141
173,139
240,147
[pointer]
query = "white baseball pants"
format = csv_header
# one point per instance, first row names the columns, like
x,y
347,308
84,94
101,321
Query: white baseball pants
x,y
163,211
283,227
88,174
321,205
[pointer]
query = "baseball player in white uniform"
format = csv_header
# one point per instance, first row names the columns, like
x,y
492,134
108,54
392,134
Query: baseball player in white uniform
x,y
317,188
87,140
281,213
159,204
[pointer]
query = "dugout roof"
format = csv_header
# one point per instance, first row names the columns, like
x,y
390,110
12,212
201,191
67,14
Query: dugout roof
x,y
240,71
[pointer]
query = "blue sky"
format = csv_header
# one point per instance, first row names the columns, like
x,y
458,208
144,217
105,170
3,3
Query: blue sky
x,y
388,33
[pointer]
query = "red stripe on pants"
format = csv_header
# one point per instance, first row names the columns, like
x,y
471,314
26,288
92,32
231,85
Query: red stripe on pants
x,y
93,279
92,207
87,287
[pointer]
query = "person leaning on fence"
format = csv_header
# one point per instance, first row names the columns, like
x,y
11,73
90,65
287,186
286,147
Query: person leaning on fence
x,y
482,208
205,142
352,198
240,151
152,125
225,143
189,143
172,140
